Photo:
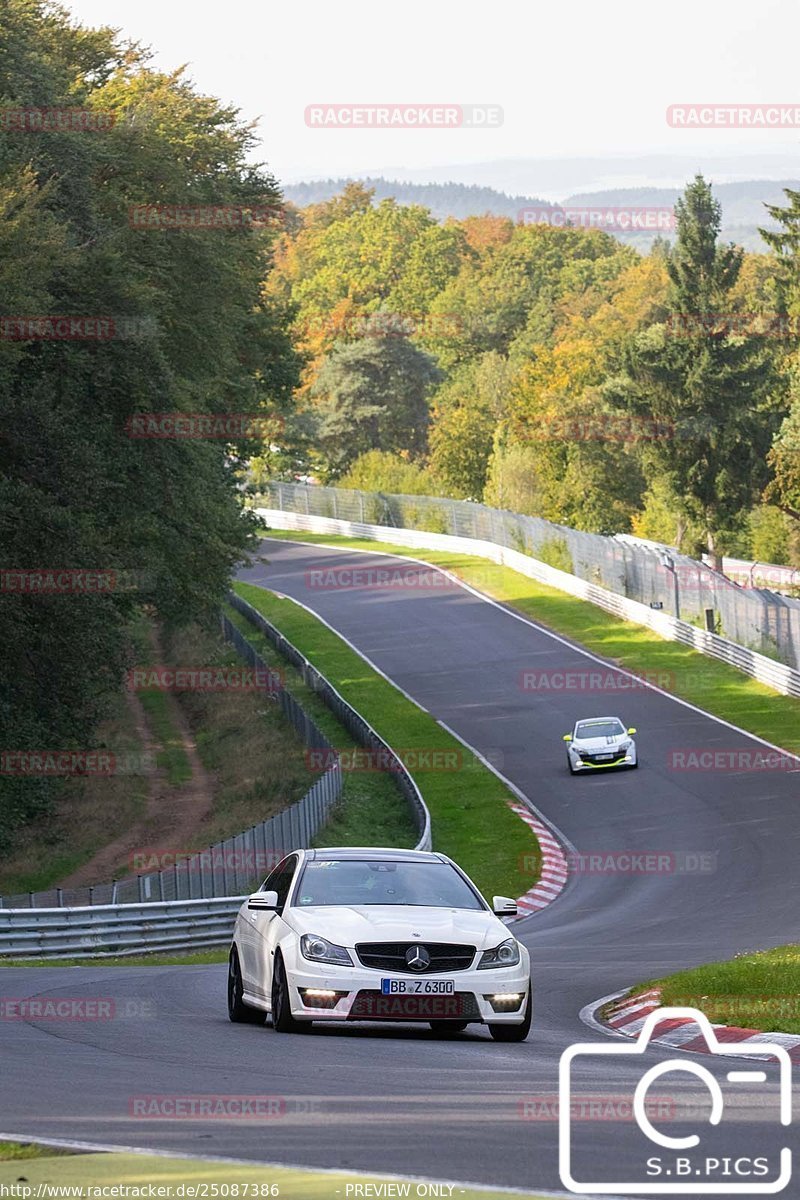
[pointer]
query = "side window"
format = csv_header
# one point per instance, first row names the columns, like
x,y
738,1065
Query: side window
x,y
281,879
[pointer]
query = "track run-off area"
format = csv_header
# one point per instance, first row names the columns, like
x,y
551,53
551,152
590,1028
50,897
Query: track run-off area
x,y
366,1098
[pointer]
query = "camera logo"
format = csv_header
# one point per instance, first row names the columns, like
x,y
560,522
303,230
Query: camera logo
x,y
676,1169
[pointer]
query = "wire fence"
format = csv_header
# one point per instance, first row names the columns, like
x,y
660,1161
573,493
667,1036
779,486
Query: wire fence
x,y
651,573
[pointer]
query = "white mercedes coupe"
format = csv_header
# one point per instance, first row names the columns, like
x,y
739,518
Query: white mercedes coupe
x,y
377,935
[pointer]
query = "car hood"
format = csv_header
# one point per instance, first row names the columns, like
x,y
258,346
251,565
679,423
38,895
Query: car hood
x,y
600,744
346,925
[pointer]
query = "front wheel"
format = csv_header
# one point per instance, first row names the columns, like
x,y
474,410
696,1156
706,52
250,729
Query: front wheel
x,y
514,1033
239,1012
282,1019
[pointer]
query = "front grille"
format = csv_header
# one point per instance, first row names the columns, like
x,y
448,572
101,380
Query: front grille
x,y
374,1006
617,756
391,956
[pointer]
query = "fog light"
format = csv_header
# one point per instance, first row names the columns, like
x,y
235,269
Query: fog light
x,y
320,997
505,1001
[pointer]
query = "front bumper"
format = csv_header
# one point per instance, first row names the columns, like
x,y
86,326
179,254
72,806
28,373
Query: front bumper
x,y
474,985
624,760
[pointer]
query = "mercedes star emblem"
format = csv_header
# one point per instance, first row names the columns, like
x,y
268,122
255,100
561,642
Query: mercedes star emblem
x,y
417,958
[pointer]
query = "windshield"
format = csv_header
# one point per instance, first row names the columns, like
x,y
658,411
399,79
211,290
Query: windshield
x,y
363,881
599,729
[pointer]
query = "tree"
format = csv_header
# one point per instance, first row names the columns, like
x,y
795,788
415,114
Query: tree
x,y
381,471
705,385
192,334
465,413
372,395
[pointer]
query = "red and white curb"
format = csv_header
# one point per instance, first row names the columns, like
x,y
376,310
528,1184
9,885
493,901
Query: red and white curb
x,y
554,872
628,1015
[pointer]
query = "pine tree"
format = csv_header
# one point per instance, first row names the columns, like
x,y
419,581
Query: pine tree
x,y
704,381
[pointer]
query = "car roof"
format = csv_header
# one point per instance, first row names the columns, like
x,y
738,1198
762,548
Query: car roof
x,y
591,720
374,853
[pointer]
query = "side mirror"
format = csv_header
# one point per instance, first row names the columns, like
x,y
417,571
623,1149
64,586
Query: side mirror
x,y
504,906
567,737
632,729
263,901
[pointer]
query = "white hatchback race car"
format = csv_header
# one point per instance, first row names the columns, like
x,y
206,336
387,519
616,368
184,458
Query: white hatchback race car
x,y
377,935
600,742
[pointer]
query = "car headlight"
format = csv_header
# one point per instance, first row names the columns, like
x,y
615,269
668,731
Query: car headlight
x,y
625,745
319,949
504,955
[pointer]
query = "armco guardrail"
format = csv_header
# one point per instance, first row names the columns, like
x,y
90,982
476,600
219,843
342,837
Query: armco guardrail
x,y
776,675
108,930
355,724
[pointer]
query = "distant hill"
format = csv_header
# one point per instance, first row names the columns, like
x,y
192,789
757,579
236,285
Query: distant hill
x,y
742,202
743,210
444,200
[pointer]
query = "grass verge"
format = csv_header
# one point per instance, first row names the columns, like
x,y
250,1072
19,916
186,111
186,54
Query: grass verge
x,y
16,1151
711,685
141,1170
758,990
193,958
470,817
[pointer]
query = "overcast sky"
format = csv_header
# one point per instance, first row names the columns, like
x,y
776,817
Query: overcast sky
x,y
573,77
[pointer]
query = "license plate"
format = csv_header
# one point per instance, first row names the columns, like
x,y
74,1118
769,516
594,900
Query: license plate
x,y
604,757
418,987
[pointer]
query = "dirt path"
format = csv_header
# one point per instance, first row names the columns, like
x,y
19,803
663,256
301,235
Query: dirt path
x,y
172,814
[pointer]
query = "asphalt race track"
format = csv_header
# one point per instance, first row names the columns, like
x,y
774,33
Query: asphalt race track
x,y
405,1101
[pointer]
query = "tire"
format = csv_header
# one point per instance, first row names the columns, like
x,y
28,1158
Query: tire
x,y
282,1019
514,1033
239,1012
445,1028
572,770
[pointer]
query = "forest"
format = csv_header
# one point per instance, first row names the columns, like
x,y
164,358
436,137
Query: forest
x,y
156,288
